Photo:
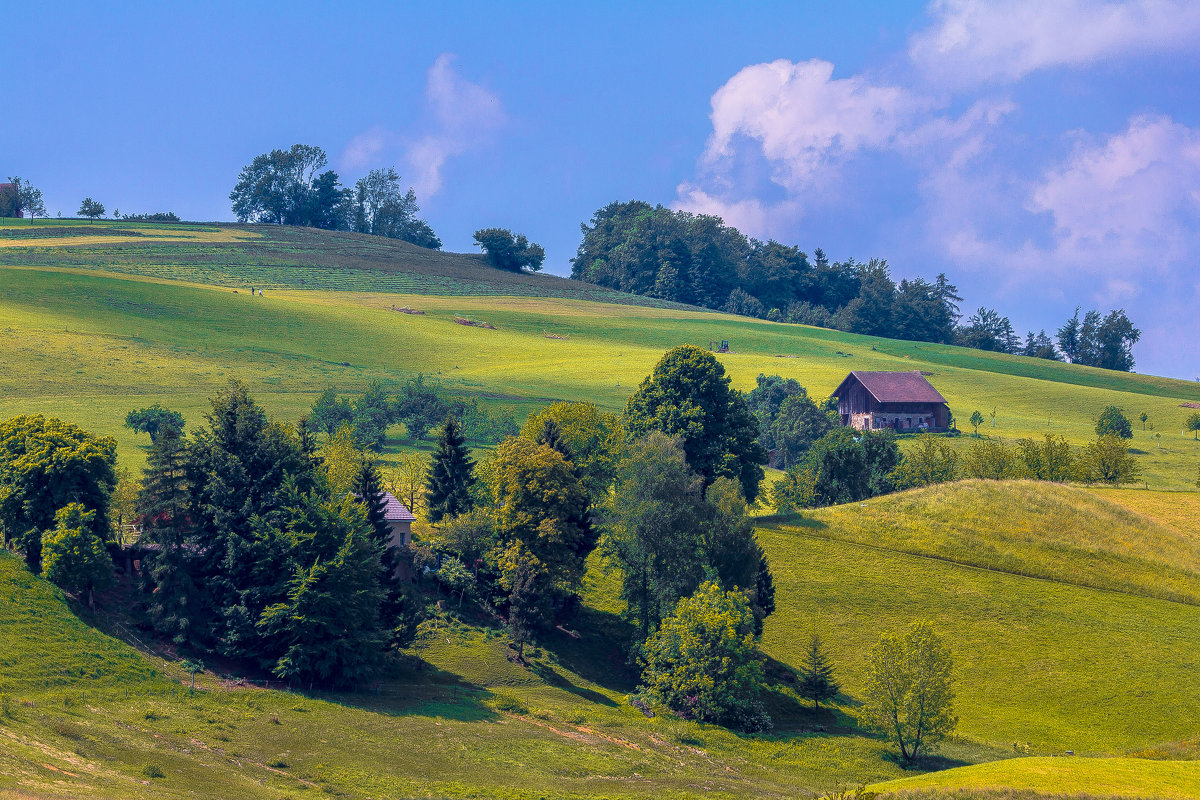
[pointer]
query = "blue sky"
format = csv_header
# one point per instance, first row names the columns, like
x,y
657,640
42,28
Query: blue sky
x,y
1044,155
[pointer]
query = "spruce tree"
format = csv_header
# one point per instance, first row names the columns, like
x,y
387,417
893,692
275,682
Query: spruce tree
x,y
816,675
551,435
450,474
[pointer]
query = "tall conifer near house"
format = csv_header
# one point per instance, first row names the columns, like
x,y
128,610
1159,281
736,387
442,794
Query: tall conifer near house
x,y
450,474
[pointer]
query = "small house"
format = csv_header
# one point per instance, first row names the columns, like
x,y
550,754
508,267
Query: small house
x,y
399,521
902,401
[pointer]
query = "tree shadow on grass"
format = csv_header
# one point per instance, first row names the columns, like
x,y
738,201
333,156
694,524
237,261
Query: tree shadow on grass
x,y
595,649
418,688
560,681
925,763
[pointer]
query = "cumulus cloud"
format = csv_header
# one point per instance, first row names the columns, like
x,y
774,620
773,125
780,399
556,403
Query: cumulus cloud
x,y
1131,197
461,116
1003,40
803,123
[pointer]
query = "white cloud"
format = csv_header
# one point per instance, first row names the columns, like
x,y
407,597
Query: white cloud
x,y
1004,40
461,116
803,124
465,115
1130,198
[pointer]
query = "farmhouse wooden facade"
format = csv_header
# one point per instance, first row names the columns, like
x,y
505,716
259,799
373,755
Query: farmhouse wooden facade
x,y
903,401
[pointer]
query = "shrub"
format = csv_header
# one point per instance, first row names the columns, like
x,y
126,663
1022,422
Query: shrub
x,y
1113,421
701,662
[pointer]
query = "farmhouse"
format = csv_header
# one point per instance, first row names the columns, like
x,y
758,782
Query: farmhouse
x,y
10,206
903,401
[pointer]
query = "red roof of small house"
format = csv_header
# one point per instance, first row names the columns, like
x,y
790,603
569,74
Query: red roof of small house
x,y
894,387
394,510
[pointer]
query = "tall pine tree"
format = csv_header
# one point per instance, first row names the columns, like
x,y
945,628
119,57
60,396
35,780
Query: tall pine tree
x,y
816,675
450,474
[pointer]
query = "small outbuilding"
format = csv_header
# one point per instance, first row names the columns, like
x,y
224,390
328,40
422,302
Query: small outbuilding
x,y
399,521
902,401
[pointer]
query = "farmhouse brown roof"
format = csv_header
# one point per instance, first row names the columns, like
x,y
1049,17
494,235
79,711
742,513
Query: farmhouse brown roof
x,y
894,387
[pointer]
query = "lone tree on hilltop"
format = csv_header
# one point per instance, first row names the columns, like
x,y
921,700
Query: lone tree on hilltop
x,y
504,250
91,209
448,485
1113,421
1193,425
816,675
910,690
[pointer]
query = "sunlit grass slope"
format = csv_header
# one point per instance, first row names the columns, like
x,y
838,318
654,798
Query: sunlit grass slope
x,y
1051,662
84,716
1053,777
89,345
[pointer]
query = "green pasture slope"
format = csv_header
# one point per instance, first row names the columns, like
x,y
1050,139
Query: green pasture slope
x,y
99,318
1048,663
1073,613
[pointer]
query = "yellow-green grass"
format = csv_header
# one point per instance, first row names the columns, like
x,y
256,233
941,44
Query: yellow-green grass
x,y
1055,777
84,716
89,345
1044,662
1179,511
1044,530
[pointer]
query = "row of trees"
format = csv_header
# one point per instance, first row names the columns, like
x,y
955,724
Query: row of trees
x,y
292,187
419,404
697,259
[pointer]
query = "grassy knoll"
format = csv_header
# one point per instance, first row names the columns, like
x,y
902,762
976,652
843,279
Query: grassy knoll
x,y
1054,664
89,345
1020,778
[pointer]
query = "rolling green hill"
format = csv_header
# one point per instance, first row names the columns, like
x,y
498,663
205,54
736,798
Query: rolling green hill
x,y
93,329
1073,613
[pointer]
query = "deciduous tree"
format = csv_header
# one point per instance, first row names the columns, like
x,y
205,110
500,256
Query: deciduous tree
x,y
91,209
1112,421
153,420
688,395
909,697
73,556
504,250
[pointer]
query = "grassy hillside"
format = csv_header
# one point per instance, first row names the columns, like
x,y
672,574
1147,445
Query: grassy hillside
x,y
1052,665
89,344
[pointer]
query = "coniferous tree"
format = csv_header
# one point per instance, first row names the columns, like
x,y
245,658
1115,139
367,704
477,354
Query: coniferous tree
x,y
450,474
163,505
523,602
816,675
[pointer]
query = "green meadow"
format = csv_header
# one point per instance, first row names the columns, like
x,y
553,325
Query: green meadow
x,y
1073,612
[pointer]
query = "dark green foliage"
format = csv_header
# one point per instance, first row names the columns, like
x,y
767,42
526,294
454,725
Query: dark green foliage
x,y
655,528
157,216
816,675
46,464
91,209
483,424
328,628
330,412
524,602
21,198
154,420
1193,425
422,404
283,187
701,663
451,473
383,209
506,251
373,412
73,556
788,419
666,535
1099,341
1112,421
986,329
697,259
1051,460
168,570
688,395
1040,346
840,467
